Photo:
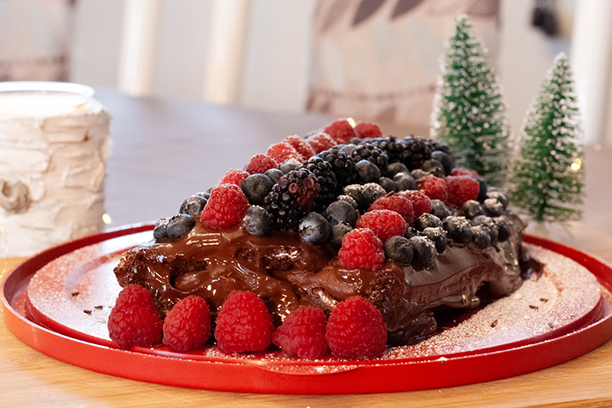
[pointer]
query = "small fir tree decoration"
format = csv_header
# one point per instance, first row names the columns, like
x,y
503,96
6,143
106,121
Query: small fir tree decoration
x,y
548,173
469,112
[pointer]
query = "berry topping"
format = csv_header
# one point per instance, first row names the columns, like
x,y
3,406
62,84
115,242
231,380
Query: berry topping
x,y
415,151
321,142
433,187
368,130
388,184
302,334
471,209
341,211
281,152
341,163
368,172
439,209
258,221
404,182
356,330
314,228
225,208
445,159
243,324
234,177
372,154
338,232
493,207
458,229
160,232
461,189
421,204
395,168
341,131
302,147
397,203
371,193
361,248
355,191
438,236
290,165
427,221
187,326
460,171
274,175
433,167
501,197
503,227
179,225
134,320
256,187
193,205
348,199
424,251
384,223
399,249
481,236
418,174
489,224
260,163
326,178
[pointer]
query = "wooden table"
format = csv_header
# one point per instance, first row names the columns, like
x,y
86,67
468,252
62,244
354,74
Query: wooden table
x,y
30,378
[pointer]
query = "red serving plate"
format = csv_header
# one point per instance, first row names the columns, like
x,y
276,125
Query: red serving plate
x,y
79,276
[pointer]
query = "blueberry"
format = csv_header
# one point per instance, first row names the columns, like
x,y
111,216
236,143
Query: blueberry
x,y
410,232
472,209
481,236
338,232
424,251
256,187
493,207
503,226
444,159
489,224
179,225
204,194
290,165
314,228
387,184
274,174
395,168
404,182
399,250
355,191
348,149
355,140
348,199
193,205
458,229
368,171
161,229
258,221
371,193
433,167
482,189
439,209
501,197
418,173
427,220
341,211
437,236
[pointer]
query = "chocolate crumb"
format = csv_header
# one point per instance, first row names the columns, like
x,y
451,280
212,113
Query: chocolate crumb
x,y
494,323
99,307
572,317
543,300
87,312
533,307
75,294
552,326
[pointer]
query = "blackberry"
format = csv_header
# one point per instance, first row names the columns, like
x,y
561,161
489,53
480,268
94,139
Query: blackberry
x,y
342,165
326,178
291,198
391,146
416,151
372,154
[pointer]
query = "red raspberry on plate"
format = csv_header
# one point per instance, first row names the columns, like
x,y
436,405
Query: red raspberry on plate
x,y
384,223
302,147
225,208
302,334
421,204
243,324
281,152
361,248
397,203
356,330
433,187
460,171
461,189
187,326
366,129
260,163
321,142
234,177
134,320
340,130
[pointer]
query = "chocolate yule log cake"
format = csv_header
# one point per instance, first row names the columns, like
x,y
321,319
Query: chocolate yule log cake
x,y
316,223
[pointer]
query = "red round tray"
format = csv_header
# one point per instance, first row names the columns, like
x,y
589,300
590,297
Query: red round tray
x,y
46,332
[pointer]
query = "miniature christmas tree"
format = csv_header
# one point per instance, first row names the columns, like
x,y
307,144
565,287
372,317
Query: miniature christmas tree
x,y
548,173
469,113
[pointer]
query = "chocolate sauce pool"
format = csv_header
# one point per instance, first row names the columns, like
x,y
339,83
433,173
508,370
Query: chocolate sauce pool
x,y
286,272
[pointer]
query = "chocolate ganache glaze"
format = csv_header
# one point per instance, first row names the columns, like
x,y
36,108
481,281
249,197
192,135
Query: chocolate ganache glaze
x,y
287,272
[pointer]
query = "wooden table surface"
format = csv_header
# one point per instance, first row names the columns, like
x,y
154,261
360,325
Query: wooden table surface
x,y
30,378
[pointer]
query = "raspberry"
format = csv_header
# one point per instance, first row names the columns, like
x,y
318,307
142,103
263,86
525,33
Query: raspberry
x,y
384,223
433,187
421,204
341,131
302,147
461,189
460,171
302,334
234,177
260,163
225,208
134,320
397,203
187,326
244,324
281,152
361,248
368,130
321,142
356,330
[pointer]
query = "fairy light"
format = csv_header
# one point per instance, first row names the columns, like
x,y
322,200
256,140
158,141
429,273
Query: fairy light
x,y
351,121
575,166
107,219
